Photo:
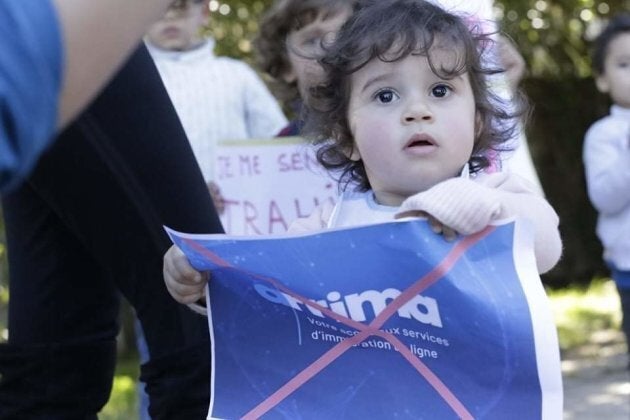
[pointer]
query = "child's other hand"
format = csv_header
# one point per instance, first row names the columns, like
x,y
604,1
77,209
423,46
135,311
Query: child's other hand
x,y
441,229
183,282
455,205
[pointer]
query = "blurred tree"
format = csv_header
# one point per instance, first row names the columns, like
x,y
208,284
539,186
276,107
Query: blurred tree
x,y
552,34
555,36
234,24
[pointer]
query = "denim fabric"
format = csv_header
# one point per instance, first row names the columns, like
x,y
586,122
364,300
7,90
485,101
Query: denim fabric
x,y
31,60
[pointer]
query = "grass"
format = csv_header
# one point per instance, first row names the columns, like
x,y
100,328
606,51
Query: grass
x,y
123,402
584,315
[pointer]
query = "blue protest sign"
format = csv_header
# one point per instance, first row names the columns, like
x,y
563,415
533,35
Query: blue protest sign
x,y
384,321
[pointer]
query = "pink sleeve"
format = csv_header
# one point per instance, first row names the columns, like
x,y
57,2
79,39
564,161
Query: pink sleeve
x,y
519,198
468,206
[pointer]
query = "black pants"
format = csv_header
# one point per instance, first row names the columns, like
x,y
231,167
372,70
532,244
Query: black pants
x,y
86,228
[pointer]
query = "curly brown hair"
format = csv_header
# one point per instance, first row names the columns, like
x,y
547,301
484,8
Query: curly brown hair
x,y
390,31
618,25
283,18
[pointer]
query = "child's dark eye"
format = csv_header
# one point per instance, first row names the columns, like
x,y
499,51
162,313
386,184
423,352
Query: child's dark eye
x,y
440,91
386,96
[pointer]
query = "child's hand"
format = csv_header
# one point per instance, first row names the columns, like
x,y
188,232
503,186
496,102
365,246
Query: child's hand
x,y
436,226
440,228
183,282
455,205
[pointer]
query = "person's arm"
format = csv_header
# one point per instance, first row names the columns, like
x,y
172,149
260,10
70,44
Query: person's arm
x,y
97,37
263,116
55,56
30,82
518,198
468,206
607,167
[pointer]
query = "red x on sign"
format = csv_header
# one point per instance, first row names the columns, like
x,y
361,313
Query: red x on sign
x,y
365,331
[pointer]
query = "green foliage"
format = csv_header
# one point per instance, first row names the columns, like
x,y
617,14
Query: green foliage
x,y
234,24
554,35
123,402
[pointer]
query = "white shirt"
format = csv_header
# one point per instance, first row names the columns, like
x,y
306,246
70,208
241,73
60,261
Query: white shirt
x,y
361,208
607,164
466,205
216,98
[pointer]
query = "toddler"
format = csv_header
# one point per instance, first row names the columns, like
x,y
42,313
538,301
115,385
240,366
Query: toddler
x,y
607,156
404,115
216,98
289,43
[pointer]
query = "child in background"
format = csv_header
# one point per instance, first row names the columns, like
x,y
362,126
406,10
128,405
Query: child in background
x,y
607,156
405,114
290,41
216,98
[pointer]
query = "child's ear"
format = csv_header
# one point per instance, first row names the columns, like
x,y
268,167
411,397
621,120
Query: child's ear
x,y
602,84
352,153
289,76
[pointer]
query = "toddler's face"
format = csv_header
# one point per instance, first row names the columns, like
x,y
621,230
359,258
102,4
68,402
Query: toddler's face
x,y
411,128
304,47
179,29
616,78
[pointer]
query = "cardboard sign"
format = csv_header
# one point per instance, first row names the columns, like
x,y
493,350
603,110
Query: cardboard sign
x,y
379,322
266,184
